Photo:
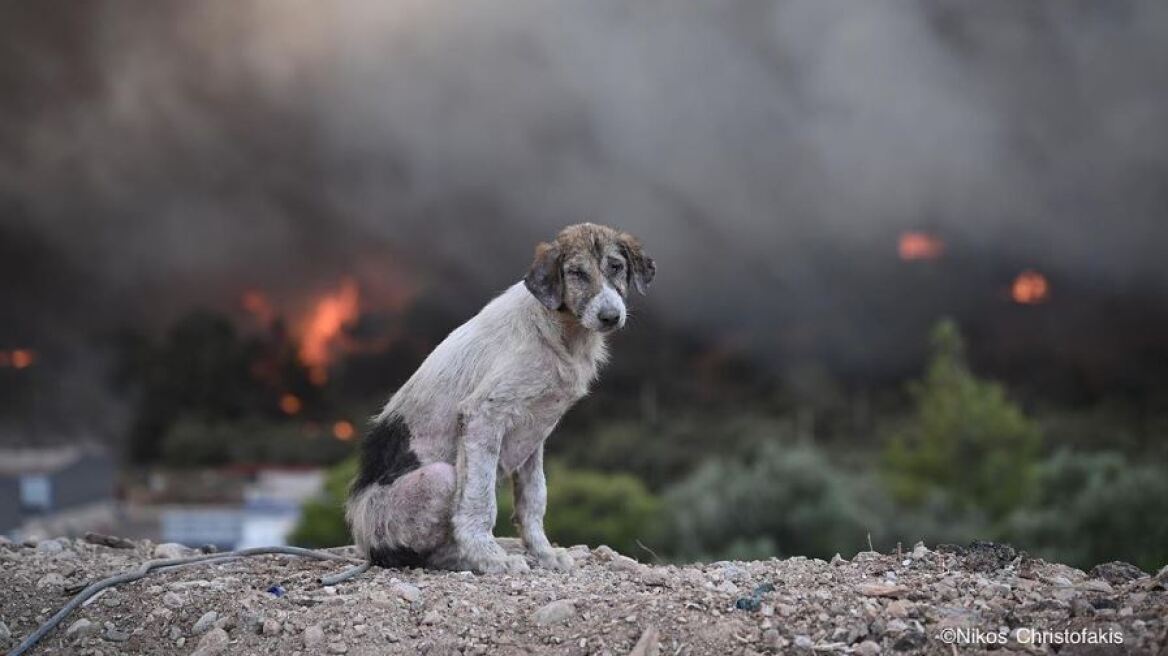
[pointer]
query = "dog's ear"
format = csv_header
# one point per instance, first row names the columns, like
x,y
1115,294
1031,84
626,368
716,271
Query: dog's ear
x,y
545,280
642,268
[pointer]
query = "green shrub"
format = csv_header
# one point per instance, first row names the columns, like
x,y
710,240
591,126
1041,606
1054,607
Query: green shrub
x,y
1094,508
786,500
965,438
322,520
590,507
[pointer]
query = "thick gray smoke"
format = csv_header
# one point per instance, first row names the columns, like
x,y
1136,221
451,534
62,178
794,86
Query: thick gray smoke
x,y
769,153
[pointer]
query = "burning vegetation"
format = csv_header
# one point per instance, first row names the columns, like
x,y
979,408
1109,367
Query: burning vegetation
x,y
915,245
21,358
1030,288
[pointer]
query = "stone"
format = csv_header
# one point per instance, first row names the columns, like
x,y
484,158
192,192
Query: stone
x,y
270,627
838,560
899,608
50,547
213,642
555,612
81,628
866,648
169,550
919,551
205,623
880,590
433,617
804,643
52,579
406,591
313,636
5,632
173,600
338,648
114,634
1117,572
649,643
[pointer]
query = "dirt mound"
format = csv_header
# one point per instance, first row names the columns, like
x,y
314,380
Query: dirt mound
x,y
981,597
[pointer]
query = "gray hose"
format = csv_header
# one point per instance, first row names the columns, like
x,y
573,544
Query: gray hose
x,y
175,563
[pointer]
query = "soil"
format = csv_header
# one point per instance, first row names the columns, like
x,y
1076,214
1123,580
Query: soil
x,y
984,597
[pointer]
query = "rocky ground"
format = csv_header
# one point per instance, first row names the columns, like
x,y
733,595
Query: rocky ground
x,y
981,598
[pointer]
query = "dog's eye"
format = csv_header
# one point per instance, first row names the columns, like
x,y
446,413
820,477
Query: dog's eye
x,y
615,267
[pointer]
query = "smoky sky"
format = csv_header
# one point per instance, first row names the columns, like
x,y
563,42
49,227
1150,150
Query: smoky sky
x,y
155,156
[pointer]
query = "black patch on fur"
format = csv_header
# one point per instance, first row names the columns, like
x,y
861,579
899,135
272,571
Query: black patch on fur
x,y
395,557
385,454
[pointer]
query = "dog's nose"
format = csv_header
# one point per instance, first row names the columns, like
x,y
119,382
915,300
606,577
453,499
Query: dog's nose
x,y
609,318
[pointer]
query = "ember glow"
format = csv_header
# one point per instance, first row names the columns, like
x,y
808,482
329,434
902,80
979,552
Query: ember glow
x,y
1030,288
258,306
290,404
343,431
916,245
17,358
323,330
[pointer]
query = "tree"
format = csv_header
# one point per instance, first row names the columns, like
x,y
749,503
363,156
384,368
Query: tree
x,y
965,439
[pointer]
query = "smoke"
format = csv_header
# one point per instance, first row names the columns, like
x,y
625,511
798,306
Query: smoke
x,y
768,154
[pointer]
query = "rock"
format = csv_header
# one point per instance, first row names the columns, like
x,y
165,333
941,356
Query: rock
x,y
433,617
270,627
1096,585
214,642
773,639
52,579
114,634
338,648
54,546
205,623
110,541
605,552
866,648
81,628
5,632
727,587
621,563
173,600
555,612
648,645
899,608
838,560
919,551
169,550
313,636
804,643
1117,572
175,633
406,591
880,590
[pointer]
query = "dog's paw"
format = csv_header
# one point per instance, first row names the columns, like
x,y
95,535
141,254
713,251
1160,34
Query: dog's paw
x,y
503,564
554,558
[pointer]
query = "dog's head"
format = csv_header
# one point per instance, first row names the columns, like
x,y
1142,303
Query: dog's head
x,y
587,272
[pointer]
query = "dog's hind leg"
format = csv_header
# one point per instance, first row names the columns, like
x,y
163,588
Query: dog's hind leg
x,y
401,524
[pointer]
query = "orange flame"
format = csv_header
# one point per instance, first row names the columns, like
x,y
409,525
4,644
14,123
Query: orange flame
x,y
1030,288
290,404
343,431
17,358
916,245
322,330
258,306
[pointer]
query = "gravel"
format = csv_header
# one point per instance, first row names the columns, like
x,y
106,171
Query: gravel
x,y
870,604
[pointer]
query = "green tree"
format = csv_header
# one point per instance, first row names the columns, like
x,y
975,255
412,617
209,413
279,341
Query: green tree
x,y
965,438
322,520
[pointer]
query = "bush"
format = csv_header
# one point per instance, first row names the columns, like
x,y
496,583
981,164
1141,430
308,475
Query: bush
x,y
966,438
590,507
787,499
322,520
1094,508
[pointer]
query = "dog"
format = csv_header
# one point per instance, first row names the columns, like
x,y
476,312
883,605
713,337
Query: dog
x,y
484,402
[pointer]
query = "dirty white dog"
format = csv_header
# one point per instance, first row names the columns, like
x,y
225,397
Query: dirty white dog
x,y
483,402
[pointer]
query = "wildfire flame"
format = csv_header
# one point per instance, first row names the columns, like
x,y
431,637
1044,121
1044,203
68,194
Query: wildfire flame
x,y
323,329
17,358
343,430
290,404
1030,288
915,245
258,306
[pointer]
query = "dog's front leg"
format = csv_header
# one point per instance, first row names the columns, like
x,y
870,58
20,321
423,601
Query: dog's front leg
x,y
530,507
475,508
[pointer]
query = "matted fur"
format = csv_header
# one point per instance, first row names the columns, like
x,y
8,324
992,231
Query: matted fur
x,y
485,400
